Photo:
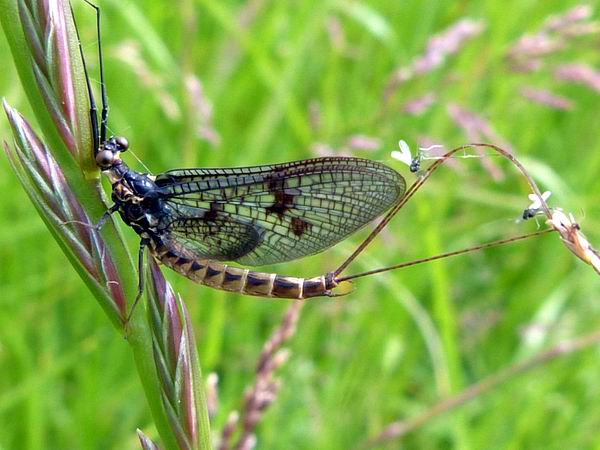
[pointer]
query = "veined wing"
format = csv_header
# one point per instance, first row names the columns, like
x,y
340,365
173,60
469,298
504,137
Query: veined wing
x,y
275,213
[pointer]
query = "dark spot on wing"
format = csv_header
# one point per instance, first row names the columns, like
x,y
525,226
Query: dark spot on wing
x,y
212,214
275,182
300,226
283,202
284,198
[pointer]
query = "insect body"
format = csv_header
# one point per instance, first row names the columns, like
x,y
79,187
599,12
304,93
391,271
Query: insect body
x,y
193,220
196,221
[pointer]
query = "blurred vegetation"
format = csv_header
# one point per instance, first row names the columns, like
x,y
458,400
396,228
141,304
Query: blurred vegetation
x,y
283,81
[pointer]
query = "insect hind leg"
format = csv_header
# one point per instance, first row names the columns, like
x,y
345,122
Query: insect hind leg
x,y
143,244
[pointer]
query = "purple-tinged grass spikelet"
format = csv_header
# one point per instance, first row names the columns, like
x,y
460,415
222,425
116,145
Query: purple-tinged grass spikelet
x,y
353,144
315,116
579,74
60,208
145,442
62,178
547,98
322,149
46,32
247,444
419,105
335,32
556,34
212,394
574,22
203,111
228,431
525,55
176,361
361,142
478,129
446,43
263,392
438,49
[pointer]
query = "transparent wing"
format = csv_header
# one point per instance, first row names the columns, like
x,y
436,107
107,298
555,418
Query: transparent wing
x,y
275,213
222,239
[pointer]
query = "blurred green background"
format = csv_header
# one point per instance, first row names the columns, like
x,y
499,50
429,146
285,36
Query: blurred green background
x,y
283,80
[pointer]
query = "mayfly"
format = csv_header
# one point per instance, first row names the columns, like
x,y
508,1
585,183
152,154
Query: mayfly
x,y
197,221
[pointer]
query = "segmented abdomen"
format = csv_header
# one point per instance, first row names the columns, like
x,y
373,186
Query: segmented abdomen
x,y
234,279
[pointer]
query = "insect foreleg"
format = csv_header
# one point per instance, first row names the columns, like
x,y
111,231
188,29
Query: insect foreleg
x,y
104,113
98,226
114,208
93,109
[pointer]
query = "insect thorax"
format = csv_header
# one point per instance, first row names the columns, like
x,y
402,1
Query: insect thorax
x,y
137,198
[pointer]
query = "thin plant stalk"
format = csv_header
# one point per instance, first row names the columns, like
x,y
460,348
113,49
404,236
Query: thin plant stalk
x,y
401,428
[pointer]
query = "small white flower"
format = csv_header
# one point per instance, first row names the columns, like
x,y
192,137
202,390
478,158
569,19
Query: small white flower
x,y
404,155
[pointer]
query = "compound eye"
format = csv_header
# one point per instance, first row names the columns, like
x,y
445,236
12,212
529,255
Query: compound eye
x,y
122,143
104,158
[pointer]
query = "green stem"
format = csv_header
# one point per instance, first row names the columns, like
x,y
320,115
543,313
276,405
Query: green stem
x,y
84,180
